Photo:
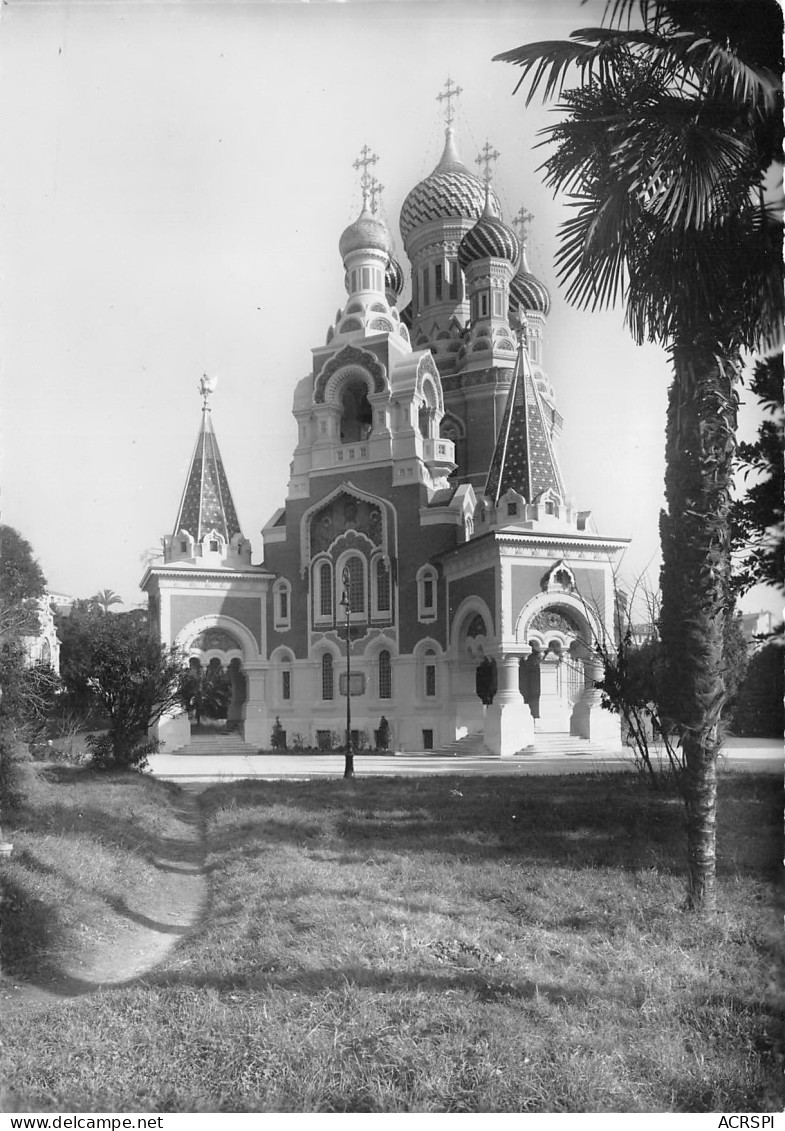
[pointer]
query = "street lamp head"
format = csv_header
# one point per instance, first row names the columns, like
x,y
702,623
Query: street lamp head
x,y
344,602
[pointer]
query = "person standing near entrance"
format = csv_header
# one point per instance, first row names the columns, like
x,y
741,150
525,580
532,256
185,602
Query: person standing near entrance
x,y
530,679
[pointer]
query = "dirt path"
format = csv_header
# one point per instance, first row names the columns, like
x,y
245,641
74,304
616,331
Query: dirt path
x,y
149,928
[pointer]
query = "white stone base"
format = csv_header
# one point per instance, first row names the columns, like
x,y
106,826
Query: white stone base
x,y
173,731
590,721
509,728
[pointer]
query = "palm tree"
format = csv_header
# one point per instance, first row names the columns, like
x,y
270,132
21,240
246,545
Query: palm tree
x,y
664,153
105,598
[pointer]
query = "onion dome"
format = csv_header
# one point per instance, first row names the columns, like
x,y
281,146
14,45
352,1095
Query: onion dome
x,y
527,291
366,232
490,238
450,191
393,277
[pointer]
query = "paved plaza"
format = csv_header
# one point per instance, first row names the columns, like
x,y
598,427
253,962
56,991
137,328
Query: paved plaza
x,y
551,754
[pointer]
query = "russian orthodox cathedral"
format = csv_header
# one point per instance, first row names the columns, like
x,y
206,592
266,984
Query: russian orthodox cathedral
x,y
426,518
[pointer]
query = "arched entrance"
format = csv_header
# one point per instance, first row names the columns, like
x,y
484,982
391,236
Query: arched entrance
x,y
472,644
217,686
551,677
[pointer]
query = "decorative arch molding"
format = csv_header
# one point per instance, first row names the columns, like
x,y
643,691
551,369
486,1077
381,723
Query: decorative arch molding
x,y
464,615
426,369
349,361
389,533
248,647
589,623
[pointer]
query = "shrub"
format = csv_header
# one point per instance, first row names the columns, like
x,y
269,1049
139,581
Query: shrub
x,y
759,701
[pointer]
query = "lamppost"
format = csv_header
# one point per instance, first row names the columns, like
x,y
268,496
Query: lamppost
x,y
347,604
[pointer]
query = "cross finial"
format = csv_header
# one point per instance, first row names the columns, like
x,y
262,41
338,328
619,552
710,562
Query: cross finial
x,y
374,189
486,157
206,387
364,161
451,90
521,221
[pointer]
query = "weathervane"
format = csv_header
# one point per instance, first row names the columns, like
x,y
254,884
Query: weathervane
x,y
451,90
206,387
486,156
366,159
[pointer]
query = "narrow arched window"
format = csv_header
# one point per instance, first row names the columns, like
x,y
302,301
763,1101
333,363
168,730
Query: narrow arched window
x,y
385,675
325,590
328,682
382,586
429,667
356,583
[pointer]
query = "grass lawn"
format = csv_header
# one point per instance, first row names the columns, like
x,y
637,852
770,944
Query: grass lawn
x,y
438,945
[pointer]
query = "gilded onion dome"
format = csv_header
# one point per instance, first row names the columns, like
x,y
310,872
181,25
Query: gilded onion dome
x,y
450,191
393,277
366,232
528,291
490,238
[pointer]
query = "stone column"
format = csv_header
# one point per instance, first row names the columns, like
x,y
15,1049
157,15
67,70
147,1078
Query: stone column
x,y
589,719
509,726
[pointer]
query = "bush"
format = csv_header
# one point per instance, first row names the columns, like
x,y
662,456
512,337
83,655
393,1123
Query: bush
x,y
278,737
759,702
109,752
16,770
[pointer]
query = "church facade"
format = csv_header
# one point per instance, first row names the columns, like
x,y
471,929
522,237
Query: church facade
x,y
426,516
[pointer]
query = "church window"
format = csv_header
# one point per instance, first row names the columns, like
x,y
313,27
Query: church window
x,y
429,668
426,593
354,573
325,595
328,682
512,509
286,684
415,291
497,304
454,277
426,287
437,281
183,546
385,675
382,578
366,284
215,545
356,412
483,305
282,603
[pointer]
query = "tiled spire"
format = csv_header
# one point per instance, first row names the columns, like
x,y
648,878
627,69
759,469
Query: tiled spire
x,y
207,502
524,459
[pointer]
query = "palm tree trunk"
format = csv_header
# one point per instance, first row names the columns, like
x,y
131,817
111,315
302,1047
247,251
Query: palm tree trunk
x,y
696,599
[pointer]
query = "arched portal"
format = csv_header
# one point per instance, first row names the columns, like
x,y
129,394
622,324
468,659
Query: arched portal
x,y
216,684
551,627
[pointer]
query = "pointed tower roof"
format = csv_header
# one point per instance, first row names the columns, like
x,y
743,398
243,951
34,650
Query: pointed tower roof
x,y
524,459
207,502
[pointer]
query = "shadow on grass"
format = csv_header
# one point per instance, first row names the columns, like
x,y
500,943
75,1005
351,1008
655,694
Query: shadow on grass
x,y
582,822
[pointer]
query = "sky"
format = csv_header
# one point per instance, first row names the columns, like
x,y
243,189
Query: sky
x,y
175,180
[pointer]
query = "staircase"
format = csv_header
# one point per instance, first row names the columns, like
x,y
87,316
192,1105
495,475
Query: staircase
x,y
214,744
547,743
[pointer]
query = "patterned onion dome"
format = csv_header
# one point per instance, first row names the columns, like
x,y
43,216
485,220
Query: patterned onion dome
x,y
527,291
450,191
490,238
366,232
393,277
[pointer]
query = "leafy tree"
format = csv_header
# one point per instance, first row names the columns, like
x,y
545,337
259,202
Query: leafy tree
x,y
105,599
758,515
664,150
759,707
133,679
22,584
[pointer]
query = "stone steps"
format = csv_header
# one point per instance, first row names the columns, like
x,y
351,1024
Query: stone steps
x,y
215,744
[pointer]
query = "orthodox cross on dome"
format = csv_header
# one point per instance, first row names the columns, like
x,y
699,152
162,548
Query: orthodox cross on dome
x,y
375,189
451,90
206,388
364,161
521,222
486,157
